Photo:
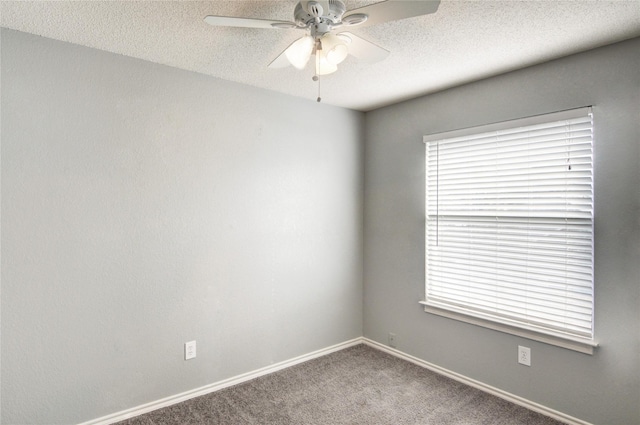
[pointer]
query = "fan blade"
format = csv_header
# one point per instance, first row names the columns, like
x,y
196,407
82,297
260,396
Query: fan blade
x,y
297,54
392,10
281,61
363,50
229,21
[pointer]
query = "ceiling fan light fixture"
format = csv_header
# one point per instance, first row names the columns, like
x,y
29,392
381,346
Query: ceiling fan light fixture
x,y
300,51
321,18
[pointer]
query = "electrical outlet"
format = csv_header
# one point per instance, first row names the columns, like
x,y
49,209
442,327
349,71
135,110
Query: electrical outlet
x,y
189,350
392,340
524,355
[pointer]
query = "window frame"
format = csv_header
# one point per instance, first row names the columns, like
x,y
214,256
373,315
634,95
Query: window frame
x,y
577,344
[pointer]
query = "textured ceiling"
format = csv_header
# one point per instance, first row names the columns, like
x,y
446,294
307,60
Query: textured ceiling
x,y
462,42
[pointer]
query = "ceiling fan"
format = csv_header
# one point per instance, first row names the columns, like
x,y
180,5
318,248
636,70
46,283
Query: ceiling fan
x,y
325,21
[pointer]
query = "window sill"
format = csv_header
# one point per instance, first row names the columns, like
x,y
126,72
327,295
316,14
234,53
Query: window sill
x,y
580,346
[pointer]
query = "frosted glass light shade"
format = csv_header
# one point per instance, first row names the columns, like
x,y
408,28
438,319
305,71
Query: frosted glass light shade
x,y
299,52
335,49
324,67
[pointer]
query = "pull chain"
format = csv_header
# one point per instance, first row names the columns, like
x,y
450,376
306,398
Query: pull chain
x,y
316,77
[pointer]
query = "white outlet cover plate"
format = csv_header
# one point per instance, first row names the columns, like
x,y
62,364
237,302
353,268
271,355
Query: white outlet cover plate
x,y
524,355
189,350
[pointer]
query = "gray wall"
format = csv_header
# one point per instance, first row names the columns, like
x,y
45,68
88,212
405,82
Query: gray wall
x,y
145,206
603,388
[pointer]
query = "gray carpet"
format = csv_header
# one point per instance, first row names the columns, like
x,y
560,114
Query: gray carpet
x,y
358,385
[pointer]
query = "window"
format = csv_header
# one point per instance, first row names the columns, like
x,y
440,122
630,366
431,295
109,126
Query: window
x,y
509,227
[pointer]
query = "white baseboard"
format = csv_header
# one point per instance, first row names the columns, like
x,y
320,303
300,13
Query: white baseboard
x,y
178,398
570,420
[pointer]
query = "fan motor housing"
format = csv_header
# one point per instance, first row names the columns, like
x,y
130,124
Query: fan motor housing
x,y
332,11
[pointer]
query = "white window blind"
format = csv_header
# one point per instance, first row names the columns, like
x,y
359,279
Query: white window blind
x,y
509,226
